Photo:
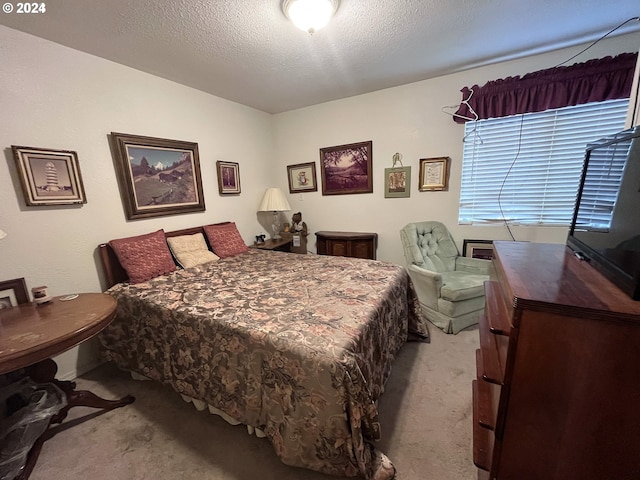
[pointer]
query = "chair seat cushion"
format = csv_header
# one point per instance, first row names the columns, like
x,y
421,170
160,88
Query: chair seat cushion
x,y
461,307
458,286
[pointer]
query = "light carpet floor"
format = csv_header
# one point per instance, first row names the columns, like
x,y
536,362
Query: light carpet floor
x,y
425,414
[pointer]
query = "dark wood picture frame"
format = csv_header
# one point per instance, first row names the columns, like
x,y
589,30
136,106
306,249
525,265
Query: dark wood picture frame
x,y
302,177
347,169
13,292
478,249
167,183
434,174
228,178
49,177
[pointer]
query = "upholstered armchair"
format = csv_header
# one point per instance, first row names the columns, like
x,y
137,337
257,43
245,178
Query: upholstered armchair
x,y
450,287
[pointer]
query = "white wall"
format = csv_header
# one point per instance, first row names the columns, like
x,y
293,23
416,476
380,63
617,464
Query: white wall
x,y
55,97
409,120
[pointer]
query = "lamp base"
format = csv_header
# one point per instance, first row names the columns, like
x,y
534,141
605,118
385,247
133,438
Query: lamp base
x,y
276,230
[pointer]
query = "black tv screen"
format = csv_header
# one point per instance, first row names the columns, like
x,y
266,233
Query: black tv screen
x,y
605,229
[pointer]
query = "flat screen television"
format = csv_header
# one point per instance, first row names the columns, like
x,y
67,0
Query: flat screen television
x,y
605,229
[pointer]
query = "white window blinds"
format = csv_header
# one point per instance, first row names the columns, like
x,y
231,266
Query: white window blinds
x,y
525,169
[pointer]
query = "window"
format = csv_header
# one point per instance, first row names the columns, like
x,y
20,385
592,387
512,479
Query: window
x,y
525,169
602,184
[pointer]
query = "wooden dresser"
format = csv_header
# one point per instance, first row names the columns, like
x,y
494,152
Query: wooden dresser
x,y
557,395
347,244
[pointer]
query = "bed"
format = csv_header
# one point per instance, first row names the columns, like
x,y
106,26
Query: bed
x,y
297,346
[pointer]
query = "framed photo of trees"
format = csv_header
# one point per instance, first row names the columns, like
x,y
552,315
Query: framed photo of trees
x,y
347,169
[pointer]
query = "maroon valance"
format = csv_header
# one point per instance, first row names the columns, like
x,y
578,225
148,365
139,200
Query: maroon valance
x,y
592,81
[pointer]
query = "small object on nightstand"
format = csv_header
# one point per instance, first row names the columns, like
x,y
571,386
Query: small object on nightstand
x,y
300,232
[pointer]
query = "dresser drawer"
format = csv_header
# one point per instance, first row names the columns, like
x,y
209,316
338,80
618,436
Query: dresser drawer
x,y
497,311
488,397
493,353
483,438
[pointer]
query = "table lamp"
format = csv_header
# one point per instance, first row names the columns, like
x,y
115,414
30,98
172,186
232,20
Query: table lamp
x,y
274,201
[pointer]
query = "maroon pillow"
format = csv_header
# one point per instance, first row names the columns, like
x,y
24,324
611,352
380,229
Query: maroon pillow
x,y
225,240
144,256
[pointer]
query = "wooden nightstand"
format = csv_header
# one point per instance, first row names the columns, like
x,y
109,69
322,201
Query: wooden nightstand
x,y
280,244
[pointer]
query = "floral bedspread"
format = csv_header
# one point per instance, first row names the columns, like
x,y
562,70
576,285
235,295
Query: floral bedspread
x,y
299,346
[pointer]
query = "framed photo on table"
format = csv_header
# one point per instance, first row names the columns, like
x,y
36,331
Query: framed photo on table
x,y
49,177
157,176
13,293
478,249
434,174
302,177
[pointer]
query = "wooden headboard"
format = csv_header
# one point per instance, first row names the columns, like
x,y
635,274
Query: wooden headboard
x,y
114,272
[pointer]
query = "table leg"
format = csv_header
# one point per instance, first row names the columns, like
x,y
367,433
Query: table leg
x,y
45,372
32,457
85,398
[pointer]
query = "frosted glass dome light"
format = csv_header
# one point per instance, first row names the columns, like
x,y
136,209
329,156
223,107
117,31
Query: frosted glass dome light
x,y
310,15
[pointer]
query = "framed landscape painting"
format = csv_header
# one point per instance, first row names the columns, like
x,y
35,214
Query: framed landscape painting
x,y
347,169
157,176
49,177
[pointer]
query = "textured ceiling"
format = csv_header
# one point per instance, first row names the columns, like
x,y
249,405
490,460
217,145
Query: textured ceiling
x,y
248,51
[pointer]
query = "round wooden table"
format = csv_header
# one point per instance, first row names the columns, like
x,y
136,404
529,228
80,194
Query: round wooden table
x,y
31,334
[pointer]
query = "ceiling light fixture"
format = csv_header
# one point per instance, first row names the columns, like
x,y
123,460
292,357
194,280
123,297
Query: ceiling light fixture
x,y
310,15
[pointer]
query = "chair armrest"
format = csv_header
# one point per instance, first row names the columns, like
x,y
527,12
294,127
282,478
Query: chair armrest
x,y
427,285
474,265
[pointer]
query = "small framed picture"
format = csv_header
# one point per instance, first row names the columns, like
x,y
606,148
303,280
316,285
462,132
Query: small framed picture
x,y
13,293
228,178
434,174
397,182
49,177
302,177
478,249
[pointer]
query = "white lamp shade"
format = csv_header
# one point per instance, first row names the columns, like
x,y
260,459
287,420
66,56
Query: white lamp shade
x,y
274,201
310,15
2,234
